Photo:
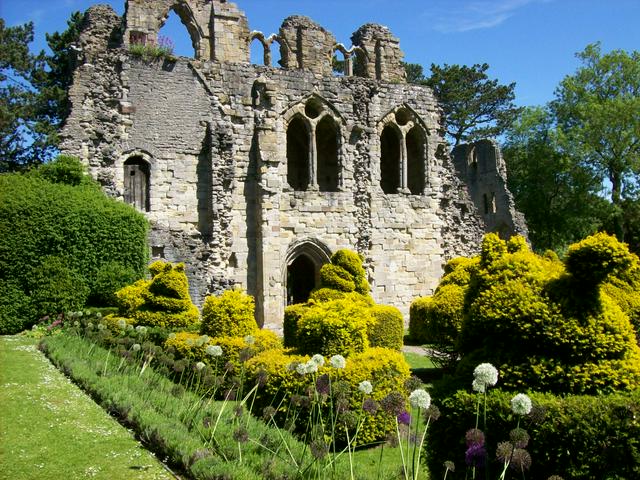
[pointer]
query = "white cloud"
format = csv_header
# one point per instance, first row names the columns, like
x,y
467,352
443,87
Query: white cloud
x,y
455,17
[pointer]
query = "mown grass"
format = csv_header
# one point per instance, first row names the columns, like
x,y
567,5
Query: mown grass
x,y
417,361
51,430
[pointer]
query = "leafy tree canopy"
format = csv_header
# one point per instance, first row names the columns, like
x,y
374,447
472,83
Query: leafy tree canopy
x,y
33,93
474,106
597,112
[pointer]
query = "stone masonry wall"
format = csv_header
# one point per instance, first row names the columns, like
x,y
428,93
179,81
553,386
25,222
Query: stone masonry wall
x,y
214,135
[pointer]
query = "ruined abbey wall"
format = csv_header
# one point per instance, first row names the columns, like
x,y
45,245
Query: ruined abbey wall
x,y
245,169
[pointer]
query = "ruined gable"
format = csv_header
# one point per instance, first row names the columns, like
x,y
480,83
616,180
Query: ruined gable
x,y
252,175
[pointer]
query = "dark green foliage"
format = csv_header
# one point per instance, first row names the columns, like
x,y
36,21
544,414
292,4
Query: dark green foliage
x,y
387,329
16,313
110,278
78,224
56,288
64,169
576,437
290,324
475,107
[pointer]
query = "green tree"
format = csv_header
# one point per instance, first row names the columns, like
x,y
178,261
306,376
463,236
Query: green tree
x,y
597,111
474,106
415,73
557,194
33,93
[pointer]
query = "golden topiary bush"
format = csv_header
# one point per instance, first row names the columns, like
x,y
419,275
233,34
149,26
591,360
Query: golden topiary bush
x,y
231,314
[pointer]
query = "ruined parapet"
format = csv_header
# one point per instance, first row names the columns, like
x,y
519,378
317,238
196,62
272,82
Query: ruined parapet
x,y
481,166
218,30
144,20
230,33
380,57
305,45
99,31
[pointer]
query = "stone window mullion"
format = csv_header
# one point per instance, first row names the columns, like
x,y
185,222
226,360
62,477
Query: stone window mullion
x,y
313,159
404,182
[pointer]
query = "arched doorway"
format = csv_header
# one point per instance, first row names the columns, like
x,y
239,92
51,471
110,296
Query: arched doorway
x,y
136,183
301,273
301,279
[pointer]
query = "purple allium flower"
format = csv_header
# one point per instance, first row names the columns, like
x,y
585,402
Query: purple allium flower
x,y
432,413
394,403
404,418
474,437
241,435
322,384
519,437
370,406
268,413
449,465
520,460
319,448
475,456
504,451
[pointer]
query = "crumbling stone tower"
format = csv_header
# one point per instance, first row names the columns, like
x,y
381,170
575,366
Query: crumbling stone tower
x,y
254,175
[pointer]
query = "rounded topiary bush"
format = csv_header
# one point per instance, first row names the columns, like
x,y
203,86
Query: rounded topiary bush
x,y
163,301
16,313
231,314
387,328
545,327
111,277
337,278
338,327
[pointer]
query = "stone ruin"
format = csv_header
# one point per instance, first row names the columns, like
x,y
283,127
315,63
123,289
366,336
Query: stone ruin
x,y
253,175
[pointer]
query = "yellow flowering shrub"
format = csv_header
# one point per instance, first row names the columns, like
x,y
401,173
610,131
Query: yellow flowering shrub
x,y
163,301
551,326
231,314
387,328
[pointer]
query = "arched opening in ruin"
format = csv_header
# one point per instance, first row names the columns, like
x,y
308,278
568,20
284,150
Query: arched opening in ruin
x,y
340,63
257,52
301,279
304,260
137,183
298,152
327,146
178,33
390,160
416,160
204,188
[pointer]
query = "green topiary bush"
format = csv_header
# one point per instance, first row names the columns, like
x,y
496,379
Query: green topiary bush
x,y
290,324
576,437
110,278
16,311
58,211
387,328
163,301
232,314
338,327
56,288
544,327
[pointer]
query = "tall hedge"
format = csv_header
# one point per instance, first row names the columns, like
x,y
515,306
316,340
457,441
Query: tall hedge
x,y
40,216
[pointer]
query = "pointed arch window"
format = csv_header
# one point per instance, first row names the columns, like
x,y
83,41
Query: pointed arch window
x,y
313,149
390,160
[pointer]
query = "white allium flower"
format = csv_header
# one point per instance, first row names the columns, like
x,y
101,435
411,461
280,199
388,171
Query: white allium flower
x,y
76,324
486,374
89,325
337,361
172,336
365,387
135,347
478,386
141,329
420,398
129,327
199,366
249,340
214,350
301,368
318,359
189,342
521,404
311,367
101,326
122,323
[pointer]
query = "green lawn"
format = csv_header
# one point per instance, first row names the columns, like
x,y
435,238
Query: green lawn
x,y
417,361
51,430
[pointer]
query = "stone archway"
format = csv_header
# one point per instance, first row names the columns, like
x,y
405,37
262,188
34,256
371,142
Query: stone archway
x,y
302,270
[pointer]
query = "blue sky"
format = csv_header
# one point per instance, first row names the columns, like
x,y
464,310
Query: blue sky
x,y
530,42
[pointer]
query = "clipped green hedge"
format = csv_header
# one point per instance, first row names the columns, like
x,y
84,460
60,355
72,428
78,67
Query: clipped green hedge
x,y
338,327
231,314
387,328
576,437
41,216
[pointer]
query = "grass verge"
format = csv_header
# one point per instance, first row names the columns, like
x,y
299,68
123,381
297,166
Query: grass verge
x,y
51,430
